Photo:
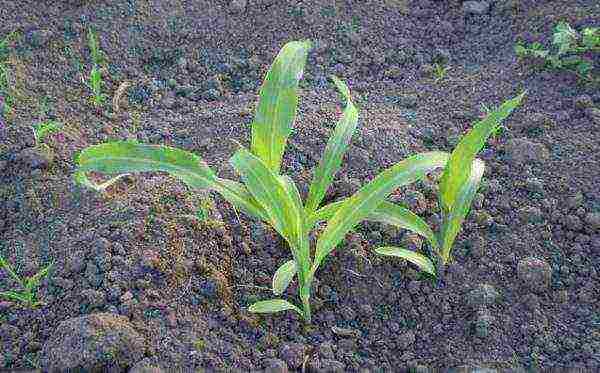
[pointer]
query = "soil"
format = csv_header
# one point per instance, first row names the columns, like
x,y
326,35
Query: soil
x,y
138,287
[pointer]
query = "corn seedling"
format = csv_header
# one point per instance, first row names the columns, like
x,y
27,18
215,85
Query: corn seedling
x,y
29,285
568,45
267,195
439,71
95,52
95,85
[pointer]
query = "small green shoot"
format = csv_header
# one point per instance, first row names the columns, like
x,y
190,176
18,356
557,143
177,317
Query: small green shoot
x,y
27,296
569,46
43,129
95,52
439,71
98,98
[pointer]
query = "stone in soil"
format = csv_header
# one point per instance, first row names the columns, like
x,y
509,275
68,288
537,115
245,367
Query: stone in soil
x,y
523,151
534,274
95,342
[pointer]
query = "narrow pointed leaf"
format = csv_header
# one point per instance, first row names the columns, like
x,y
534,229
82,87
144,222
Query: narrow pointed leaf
x,y
276,110
13,295
273,306
35,280
237,194
420,260
389,213
283,277
280,200
369,197
456,173
386,213
453,220
334,150
131,157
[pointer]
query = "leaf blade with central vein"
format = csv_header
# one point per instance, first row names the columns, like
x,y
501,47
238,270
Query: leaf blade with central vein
x,y
456,174
283,277
130,157
334,150
273,306
370,196
277,104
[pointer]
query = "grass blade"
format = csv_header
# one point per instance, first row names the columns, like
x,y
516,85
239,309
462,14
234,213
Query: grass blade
x,y
130,157
456,173
453,220
334,151
369,197
272,306
283,277
13,295
277,105
420,260
34,281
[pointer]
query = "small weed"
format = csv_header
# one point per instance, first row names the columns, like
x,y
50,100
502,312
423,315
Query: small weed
x,y
95,85
98,57
43,129
28,295
439,71
570,46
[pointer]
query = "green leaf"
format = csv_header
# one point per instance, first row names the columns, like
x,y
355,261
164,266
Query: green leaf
x,y
325,212
334,151
369,197
130,157
389,213
420,260
283,277
13,295
453,220
237,194
273,305
34,281
4,264
278,198
277,105
456,173
564,37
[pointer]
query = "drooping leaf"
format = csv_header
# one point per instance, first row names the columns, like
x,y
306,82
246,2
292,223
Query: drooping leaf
x,y
369,197
277,105
334,150
420,260
273,305
389,213
386,213
283,277
457,171
130,157
13,295
453,220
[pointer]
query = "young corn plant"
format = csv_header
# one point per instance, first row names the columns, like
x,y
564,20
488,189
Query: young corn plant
x,y
29,285
268,195
95,85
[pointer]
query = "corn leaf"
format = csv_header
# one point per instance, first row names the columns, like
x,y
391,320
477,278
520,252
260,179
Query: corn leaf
x,y
283,277
272,306
278,198
423,262
334,150
453,220
369,197
389,213
34,281
130,157
456,173
237,194
13,295
277,105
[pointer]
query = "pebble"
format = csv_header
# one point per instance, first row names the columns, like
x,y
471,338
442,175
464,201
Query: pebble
x,y
482,295
476,7
522,151
535,274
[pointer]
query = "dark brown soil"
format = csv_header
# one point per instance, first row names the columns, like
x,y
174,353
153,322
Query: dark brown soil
x,y
184,286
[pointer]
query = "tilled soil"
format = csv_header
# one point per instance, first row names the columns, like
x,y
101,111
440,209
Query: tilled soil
x,y
137,284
